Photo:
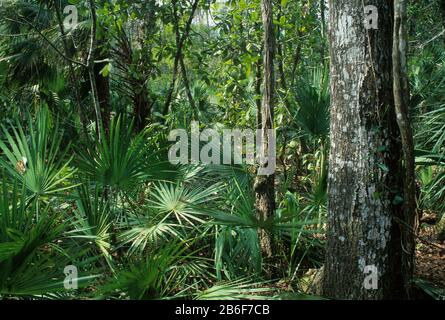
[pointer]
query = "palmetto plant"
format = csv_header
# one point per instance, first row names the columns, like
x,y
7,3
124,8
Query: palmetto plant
x,y
27,53
242,289
92,221
37,158
301,244
158,274
33,253
237,252
312,113
172,211
312,118
430,131
118,160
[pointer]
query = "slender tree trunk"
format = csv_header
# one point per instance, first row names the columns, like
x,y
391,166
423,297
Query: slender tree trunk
x,y
297,54
186,82
283,81
297,59
72,74
280,51
90,67
258,80
142,107
401,102
442,13
323,30
179,47
364,250
264,185
283,84
103,88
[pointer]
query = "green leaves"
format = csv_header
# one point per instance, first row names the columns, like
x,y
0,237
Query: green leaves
x,y
106,70
152,277
118,161
184,203
172,210
32,255
37,158
92,221
312,94
242,289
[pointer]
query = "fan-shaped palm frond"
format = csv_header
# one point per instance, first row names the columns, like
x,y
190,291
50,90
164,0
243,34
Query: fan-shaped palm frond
x,y
118,161
32,255
312,95
154,276
92,220
242,289
36,159
171,210
184,203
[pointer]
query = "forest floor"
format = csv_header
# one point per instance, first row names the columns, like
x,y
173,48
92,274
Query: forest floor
x,y
430,257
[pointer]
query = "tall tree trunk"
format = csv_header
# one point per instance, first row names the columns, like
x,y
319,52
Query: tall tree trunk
x,y
90,67
283,83
264,185
297,58
297,54
280,51
258,80
142,107
364,187
103,87
179,47
323,30
402,102
186,82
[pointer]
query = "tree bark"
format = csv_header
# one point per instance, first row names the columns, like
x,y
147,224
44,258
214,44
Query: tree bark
x,y
401,102
264,185
364,165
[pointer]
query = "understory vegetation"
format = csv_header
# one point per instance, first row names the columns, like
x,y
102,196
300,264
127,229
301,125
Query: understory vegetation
x,y
85,178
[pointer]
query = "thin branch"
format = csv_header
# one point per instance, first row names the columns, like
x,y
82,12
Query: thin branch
x,y
422,46
50,43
